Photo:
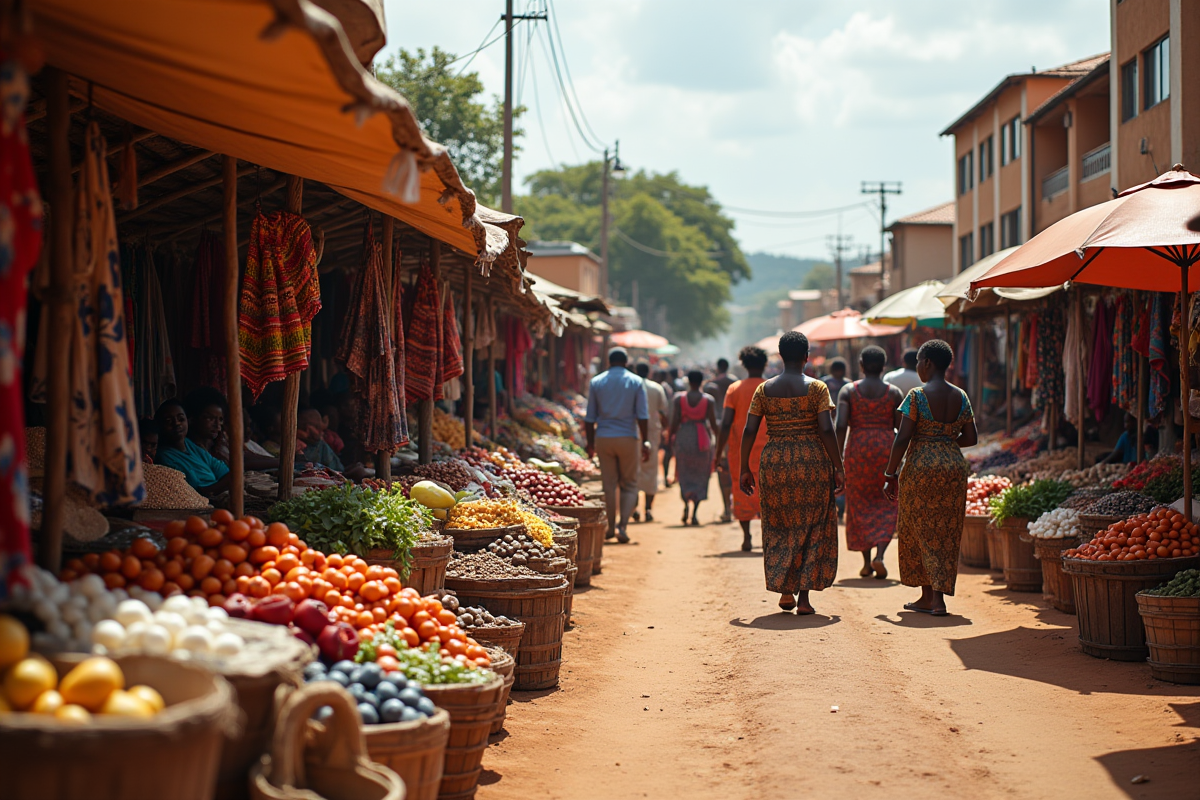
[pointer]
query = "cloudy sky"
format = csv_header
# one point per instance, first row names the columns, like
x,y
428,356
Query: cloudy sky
x,y
773,104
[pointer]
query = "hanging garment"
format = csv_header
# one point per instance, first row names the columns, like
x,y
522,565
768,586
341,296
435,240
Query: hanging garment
x,y
367,354
452,356
1072,359
485,327
1031,352
422,340
153,365
1050,335
398,345
1160,380
206,335
104,455
20,245
1099,389
1124,367
517,343
281,294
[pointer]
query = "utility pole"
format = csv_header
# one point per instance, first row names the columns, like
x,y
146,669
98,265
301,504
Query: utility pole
x,y
614,166
883,189
506,201
839,244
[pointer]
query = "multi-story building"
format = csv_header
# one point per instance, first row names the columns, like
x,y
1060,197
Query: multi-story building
x,y
922,247
568,264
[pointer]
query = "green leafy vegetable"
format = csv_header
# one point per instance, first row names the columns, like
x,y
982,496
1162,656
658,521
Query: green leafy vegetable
x,y
1184,584
352,519
1029,500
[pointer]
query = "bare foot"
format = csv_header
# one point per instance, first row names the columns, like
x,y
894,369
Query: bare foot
x,y
880,569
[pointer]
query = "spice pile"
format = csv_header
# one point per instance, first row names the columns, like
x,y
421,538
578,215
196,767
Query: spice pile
x,y
1163,533
1148,470
168,488
1098,475
1120,504
484,566
1080,499
482,514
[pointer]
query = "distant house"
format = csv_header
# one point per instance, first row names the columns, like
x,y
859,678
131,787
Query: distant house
x,y
866,286
923,247
568,264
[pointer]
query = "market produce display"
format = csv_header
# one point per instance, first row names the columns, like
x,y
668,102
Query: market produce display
x,y
482,514
168,488
1167,487
353,519
1163,533
66,610
1029,500
93,686
475,616
981,489
1025,467
450,430
569,455
1080,499
381,696
1120,504
546,416
1061,523
1184,584
484,566
185,628
521,548
547,489
1146,471
1098,475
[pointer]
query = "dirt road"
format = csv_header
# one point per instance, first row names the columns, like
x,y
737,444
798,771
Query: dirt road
x,y
681,679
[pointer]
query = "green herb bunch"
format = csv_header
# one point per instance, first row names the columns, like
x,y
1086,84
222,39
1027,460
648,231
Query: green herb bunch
x,y
1168,487
1184,584
1029,500
422,664
352,519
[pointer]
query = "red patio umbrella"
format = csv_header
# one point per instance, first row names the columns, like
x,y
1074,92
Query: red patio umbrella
x,y
1138,240
639,340
844,324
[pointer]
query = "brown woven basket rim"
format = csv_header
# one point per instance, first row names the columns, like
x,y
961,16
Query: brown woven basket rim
x,y
551,581
478,688
441,718
456,533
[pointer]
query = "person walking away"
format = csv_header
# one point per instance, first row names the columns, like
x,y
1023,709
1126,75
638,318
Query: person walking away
x,y
836,379
867,419
664,380
716,389
906,378
693,430
733,422
617,429
656,406
799,474
932,488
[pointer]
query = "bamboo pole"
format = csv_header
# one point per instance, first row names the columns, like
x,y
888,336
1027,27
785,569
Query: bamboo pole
x,y
468,345
1185,393
291,384
1079,456
58,124
233,361
491,383
383,459
1008,355
1141,389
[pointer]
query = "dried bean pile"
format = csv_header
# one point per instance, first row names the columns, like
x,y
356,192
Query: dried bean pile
x,y
168,488
475,616
1080,499
1121,504
520,548
484,566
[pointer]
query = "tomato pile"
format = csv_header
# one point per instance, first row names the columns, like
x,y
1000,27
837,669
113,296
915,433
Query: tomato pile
x,y
1163,533
979,489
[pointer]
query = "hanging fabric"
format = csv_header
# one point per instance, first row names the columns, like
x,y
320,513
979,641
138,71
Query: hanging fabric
x,y
422,341
517,343
1074,351
485,327
20,245
1099,390
1124,369
207,334
1031,357
1160,379
281,293
452,356
1050,334
398,343
367,353
104,455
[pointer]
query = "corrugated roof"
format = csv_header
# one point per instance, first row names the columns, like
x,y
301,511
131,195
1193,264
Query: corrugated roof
x,y
938,215
563,248
1070,90
1075,69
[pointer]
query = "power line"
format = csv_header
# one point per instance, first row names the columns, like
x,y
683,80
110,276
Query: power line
x,y
567,68
537,99
471,55
558,91
567,99
821,212
664,253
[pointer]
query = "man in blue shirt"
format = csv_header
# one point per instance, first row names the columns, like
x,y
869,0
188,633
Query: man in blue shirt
x,y
616,425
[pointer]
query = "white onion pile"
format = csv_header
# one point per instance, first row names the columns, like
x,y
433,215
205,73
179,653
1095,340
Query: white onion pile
x,y
182,628
1061,523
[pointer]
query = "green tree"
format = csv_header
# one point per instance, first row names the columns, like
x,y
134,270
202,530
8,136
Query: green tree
x,y
821,276
450,112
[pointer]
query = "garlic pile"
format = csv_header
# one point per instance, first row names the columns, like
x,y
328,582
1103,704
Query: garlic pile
x,y
68,610
1061,523
182,628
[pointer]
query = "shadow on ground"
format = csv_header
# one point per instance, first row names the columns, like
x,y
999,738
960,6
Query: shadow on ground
x,y
1170,771
916,619
780,621
867,583
737,554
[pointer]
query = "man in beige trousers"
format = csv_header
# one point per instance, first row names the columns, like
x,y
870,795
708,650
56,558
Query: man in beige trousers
x,y
616,425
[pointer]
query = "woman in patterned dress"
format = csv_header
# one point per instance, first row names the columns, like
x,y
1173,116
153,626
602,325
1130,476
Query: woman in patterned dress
x,y
937,421
693,430
800,471
866,425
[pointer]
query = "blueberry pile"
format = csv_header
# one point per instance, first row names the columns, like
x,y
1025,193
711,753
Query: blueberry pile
x,y
381,697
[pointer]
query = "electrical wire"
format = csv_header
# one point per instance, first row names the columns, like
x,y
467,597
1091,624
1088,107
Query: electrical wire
x,y
821,212
558,91
549,8
471,55
537,101
567,99
663,253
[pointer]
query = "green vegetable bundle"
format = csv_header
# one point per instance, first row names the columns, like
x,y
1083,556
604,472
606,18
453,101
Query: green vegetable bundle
x,y
1029,500
1184,584
422,664
1168,487
351,519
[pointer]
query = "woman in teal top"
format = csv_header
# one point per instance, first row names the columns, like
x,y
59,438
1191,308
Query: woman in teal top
x,y
204,472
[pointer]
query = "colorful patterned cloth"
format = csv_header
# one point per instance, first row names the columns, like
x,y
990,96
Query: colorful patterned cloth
x,y
422,342
281,294
693,448
1160,340
517,343
870,517
1031,350
795,491
153,362
1098,389
452,356
738,397
933,496
1051,332
20,244
1124,365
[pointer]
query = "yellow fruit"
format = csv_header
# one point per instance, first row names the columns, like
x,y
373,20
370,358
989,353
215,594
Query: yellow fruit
x,y
26,680
91,682
430,495
73,713
47,703
153,698
14,641
123,704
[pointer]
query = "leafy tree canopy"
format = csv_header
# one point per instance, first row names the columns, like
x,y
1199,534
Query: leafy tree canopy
x,y
821,276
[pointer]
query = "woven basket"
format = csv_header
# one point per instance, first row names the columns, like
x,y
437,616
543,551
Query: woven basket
x,y
585,555
326,760
472,707
501,637
174,754
1173,636
1022,572
472,540
570,540
416,751
1091,524
586,513
539,603
427,567
973,552
503,665
1057,588
568,602
599,530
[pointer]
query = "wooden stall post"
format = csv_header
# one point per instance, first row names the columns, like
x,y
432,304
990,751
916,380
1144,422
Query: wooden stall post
x,y
62,225
1141,390
468,345
1008,354
425,407
1185,393
491,381
1079,384
233,360
383,459
291,384
552,357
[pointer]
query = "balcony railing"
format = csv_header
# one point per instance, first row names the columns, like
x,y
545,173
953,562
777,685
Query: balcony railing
x,y
1096,162
1055,183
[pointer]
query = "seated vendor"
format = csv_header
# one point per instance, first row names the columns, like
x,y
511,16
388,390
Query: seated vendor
x,y
310,434
1125,451
205,473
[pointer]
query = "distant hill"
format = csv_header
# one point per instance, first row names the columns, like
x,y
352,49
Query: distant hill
x,y
770,273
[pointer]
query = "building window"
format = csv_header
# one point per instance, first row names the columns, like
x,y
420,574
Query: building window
x,y
966,251
1156,66
1010,229
966,172
987,239
985,159
1129,90
1010,141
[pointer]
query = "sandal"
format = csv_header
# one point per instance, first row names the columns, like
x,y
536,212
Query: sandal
x,y
933,612
787,609
747,545
866,572
880,570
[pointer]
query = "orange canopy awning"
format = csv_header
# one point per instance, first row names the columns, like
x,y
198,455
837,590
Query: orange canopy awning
x,y
842,325
639,340
275,83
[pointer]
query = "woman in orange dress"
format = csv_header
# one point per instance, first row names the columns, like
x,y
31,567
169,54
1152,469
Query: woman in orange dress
x,y
799,473
737,405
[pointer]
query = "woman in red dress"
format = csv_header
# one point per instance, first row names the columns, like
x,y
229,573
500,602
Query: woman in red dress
x,y
866,425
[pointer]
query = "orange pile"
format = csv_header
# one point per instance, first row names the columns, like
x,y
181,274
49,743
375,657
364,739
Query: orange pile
x,y
1163,533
